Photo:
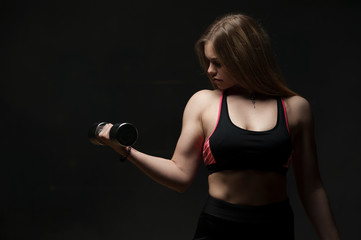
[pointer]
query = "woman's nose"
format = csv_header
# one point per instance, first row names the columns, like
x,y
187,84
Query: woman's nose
x,y
211,70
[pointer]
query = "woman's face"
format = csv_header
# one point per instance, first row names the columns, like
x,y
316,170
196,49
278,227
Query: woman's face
x,y
220,76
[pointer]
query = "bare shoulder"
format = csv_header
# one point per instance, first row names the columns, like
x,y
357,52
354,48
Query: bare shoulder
x,y
199,103
298,103
205,95
201,99
298,110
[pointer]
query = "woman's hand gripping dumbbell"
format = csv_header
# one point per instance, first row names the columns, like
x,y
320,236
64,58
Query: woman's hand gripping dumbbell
x,y
119,136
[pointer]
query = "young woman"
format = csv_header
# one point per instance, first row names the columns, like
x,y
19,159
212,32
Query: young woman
x,y
247,131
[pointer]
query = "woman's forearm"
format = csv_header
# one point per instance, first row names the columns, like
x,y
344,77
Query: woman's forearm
x,y
161,170
179,172
318,209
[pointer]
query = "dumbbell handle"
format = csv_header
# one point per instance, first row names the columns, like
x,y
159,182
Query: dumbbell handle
x,y
124,134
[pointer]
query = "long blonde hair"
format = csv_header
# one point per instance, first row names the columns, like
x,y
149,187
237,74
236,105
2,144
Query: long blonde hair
x,y
243,47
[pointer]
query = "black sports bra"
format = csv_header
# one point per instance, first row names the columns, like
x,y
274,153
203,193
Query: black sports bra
x,y
231,147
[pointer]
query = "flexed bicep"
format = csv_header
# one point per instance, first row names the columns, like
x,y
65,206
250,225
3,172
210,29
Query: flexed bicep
x,y
188,152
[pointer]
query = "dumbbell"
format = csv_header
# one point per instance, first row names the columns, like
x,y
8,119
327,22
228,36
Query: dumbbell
x,y
125,134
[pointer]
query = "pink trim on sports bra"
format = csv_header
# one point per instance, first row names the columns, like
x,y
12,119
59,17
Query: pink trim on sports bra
x,y
288,129
207,153
219,115
284,111
208,157
287,165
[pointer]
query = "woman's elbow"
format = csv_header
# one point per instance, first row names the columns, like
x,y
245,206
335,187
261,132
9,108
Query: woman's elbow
x,y
181,184
180,190
309,189
182,187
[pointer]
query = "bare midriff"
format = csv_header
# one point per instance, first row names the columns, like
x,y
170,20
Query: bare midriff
x,y
248,187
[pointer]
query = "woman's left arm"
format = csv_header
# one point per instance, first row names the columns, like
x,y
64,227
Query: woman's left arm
x,y
309,184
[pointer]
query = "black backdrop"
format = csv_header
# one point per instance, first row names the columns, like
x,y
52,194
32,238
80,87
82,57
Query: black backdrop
x,y
67,64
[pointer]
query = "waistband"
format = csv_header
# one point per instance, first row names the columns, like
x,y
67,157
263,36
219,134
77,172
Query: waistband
x,y
280,211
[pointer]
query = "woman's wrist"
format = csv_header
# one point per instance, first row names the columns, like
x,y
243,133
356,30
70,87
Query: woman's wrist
x,y
123,151
124,156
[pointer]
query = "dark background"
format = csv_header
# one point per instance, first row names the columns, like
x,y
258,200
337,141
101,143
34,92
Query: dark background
x,y
67,64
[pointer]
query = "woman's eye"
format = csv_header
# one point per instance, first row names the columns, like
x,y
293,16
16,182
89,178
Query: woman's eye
x,y
217,64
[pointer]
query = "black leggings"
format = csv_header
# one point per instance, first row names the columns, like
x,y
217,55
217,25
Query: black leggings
x,y
222,220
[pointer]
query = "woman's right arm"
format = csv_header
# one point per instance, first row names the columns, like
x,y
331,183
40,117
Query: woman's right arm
x,y
178,172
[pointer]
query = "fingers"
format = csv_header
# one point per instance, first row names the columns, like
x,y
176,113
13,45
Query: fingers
x,y
104,134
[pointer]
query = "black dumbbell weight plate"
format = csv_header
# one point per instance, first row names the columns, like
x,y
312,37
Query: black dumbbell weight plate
x,y
125,134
